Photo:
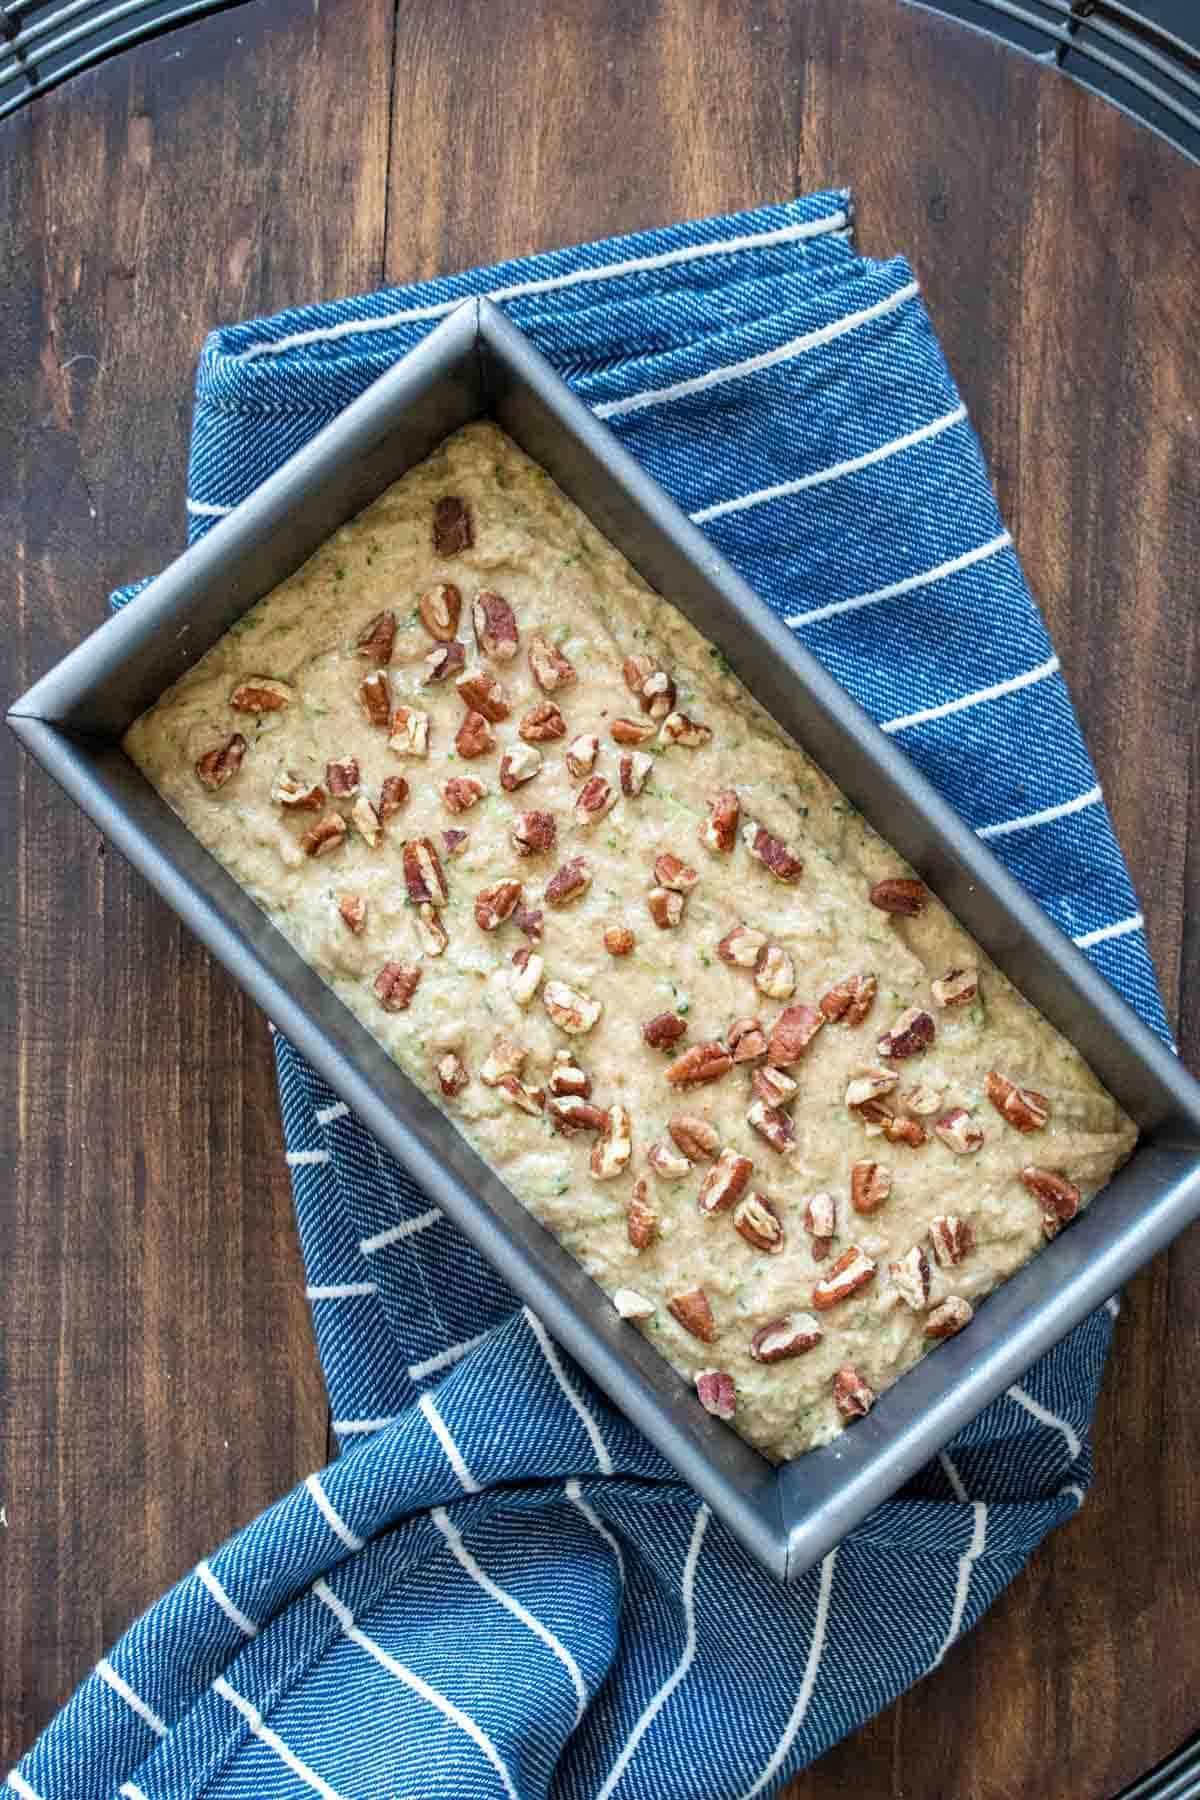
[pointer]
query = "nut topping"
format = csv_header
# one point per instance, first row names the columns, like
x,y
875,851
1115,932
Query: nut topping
x,y
665,907
900,894
618,940
366,821
566,1077
952,1239
462,792
440,609
342,777
548,666
851,1395
664,1030
519,765
430,930
719,831
771,852
1022,1107
409,735
695,1137
495,904
1060,1198
756,1220
667,1163
870,1185
503,1059
289,791
529,922
353,910
455,842
570,1113
677,728
702,1063
529,1100
452,531
220,765
641,1224
772,1086
670,872
572,1011
957,987
495,625
878,1118
851,999
772,1124
596,797
581,754
526,978
716,1392
852,1271
868,1084
820,1222
542,724
633,770
474,737
613,1149
375,698
791,1035
395,985
483,693
632,732
424,876
260,696
921,1099
692,1311
375,640
959,1132
533,833
910,1278
775,975
452,1074
949,1317
742,947
746,1040
913,1032
573,879
725,1182
324,836
392,795
653,687
790,1336
632,1305
446,660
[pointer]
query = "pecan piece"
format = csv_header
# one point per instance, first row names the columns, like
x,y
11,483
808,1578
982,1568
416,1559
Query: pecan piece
x,y
533,833
353,910
424,876
452,1074
519,765
959,1132
260,696
716,1392
633,770
664,1030
652,685
495,625
529,1100
719,831
949,1317
375,640
910,1278
455,842
566,1077
790,1336
529,922
483,693
742,946
791,1035
695,1137
452,532
430,930
409,735
870,1185
503,1059
922,1099
852,1271
775,974
1022,1107
569,1114
440,609
952,1239
324,836
395,985
462,792
289,791
632,732
366,822
342,777
851,999
703,1062
548,666
618,940
773,1125
446,660
667,1163
869,1084
725,1182
572,1011
1060,1198
614,1147
474,737
896,1131
756,1220
581,754
542,724
573,879
693,1312
375,698
957,987
771,852
851,1394
219,765
632,1305
641,1220
746,1040
900,894
495,904
671,872
596,797
526,978
772,1086
665,907
689,734
392,795
820,1222
912,1033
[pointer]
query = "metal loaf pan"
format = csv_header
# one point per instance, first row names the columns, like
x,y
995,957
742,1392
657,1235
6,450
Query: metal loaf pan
x,y
476,363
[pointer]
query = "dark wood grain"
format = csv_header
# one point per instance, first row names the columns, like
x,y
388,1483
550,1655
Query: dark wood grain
x,y
152,1400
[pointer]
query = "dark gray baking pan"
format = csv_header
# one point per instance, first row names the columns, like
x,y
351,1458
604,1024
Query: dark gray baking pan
x,y
476,363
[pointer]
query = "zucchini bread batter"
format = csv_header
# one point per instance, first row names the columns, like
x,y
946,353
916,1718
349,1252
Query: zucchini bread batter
x,y
712,1032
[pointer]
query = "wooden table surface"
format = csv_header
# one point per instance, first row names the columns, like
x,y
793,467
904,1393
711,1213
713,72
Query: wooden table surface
x,y
159,1379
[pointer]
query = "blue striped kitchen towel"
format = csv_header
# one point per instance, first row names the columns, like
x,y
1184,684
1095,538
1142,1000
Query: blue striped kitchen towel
x,y
499,1588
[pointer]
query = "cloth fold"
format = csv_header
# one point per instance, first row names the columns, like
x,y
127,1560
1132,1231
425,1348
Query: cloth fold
x,y
499,1588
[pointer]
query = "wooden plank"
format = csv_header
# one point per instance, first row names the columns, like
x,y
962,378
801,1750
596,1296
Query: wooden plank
x,y
159,1379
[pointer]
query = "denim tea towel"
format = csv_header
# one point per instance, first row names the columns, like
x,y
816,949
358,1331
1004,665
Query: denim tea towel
x,y
499,1588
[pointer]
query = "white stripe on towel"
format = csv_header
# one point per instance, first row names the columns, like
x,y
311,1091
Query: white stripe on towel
x,y
300,1159
19,1785
325,1115
232,1611
603,1459
273,1741
575,1496
395,1233
119,1685
345,1290
816,1646
454,1455
979,698
909,585
330,1514
357,1427
205,509
1103,933
1046,817
1045,1417
966,1562
444,1358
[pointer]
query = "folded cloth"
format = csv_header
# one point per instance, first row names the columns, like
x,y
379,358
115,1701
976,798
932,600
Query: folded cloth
x,y
499,1587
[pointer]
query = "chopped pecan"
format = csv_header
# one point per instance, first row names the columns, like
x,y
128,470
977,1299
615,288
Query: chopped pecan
x,y
756,1220
910,1278
869,1084
570,1113
957,987
395,985
618,940
573,879
495,625
542,724
519,765
375,698
455,842
633,770
820,1222
791,1035
1060,1198
530,922
851,1394
572,1011
219,765
667,1163
790,1336
912,1033
424,876
392,795
614,1147
900,894
666,908
896,1131
742,946
366,821
632,1305
671,872
696,1138
353,909
771,852
703,1062
503,1059
440,609
653,687
772,1124
716,1392
495,904
725,1182
1022,1107
641,1220
446,660
342,777
632,732
260,696
949,1317
409,735
664,1030
693,1312
375,640
452,531
851,999
852,1271
959,1132
746,1040
870,1185
526,978
581,754
430,930
596,797
922,1099
452,1074
289,791
530,1100
324,836
719,831
775,974
548,666
689,734
772,1086
474,737
566,1077
483,693
952,1239
462,792
533,833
